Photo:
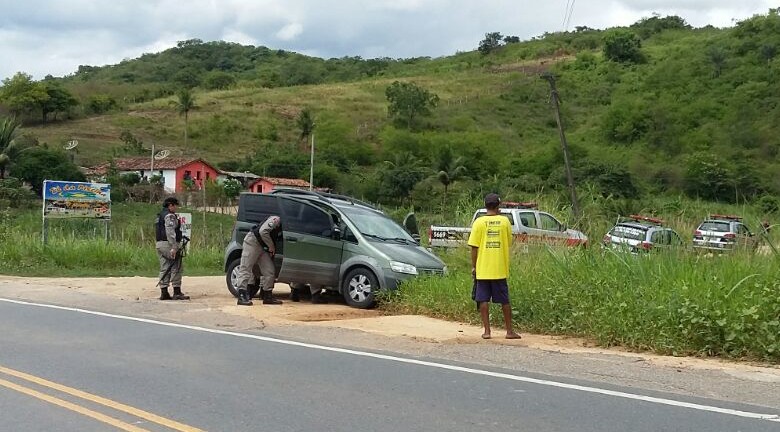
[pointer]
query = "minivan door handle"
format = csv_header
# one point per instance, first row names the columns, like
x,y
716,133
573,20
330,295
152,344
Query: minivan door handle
x,y
291,239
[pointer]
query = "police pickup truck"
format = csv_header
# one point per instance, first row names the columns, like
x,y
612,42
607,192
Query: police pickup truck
x,y
529,225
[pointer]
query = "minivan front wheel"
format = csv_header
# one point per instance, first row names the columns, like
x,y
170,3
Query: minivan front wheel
x,y
359,287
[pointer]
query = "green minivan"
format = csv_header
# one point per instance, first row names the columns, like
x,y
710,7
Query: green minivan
x,y
335,241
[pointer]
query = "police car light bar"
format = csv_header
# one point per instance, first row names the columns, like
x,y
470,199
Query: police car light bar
x,y
647,219
525,205
729,217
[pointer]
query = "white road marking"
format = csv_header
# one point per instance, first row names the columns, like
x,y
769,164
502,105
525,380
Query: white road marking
x,y
587,389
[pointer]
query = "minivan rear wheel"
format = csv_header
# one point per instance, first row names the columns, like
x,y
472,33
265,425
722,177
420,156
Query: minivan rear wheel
x,y
359,288
231,275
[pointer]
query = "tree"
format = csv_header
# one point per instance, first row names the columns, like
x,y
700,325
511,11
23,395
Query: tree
x,y
408,101
399,176
21,94
449,168
185,103
59,100
491,43
9,131
232,188
716,56
219,80
623,46
511,39
305,123
37,164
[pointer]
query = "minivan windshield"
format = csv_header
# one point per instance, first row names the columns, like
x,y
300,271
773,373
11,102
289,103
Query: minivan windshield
x,y
376,226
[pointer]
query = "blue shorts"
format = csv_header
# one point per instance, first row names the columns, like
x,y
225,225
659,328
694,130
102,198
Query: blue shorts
x,y
495,289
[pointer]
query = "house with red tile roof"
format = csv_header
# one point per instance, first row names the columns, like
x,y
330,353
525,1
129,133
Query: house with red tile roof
x,y
173,170
267,184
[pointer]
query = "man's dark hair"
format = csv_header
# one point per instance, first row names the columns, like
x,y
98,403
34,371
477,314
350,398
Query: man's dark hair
x,y
170,200
492,201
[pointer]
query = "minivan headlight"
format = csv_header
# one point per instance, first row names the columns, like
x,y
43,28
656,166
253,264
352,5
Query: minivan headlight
x,y
400,267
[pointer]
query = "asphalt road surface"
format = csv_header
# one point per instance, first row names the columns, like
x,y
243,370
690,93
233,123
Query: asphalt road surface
x,y
69,370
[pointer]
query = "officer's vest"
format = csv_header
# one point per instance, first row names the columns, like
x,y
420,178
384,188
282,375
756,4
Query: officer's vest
x,y
159,225
273,234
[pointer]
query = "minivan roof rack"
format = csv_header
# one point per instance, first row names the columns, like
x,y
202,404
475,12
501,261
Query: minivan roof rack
x,y
322,195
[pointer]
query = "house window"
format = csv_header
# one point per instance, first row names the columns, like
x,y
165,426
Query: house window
x,y
187,175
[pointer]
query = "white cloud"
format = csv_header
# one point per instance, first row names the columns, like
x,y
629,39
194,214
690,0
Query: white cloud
x,y
290,31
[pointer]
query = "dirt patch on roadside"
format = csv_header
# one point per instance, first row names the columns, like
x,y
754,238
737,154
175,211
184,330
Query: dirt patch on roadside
x,y
210,293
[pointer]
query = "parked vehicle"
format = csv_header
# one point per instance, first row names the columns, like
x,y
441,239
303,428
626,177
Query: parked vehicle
x,y
331,240
723,233
639,233
529,225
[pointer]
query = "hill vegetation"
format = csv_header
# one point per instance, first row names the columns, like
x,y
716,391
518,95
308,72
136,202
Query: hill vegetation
x,y
654,108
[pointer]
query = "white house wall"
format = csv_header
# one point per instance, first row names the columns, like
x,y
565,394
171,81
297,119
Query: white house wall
x,y
169,177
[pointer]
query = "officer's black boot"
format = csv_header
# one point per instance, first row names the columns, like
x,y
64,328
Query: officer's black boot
x,y
243,298
178,295
268,298
294,295
164,294
318,298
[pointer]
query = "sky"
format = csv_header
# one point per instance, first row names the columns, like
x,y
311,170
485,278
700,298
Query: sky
x,y
54,37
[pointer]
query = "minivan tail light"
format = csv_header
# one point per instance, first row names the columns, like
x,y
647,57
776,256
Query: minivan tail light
x,y
430,235
730,236
646,245
697,233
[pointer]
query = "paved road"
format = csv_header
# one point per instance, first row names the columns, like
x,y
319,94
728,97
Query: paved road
x,y
66,370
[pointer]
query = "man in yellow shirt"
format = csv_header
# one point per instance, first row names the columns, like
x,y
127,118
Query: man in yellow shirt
x,y
490,238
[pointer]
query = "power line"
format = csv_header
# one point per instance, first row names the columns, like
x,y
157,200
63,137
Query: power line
x,y
569,13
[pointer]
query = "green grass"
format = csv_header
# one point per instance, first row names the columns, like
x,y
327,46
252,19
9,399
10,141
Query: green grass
x,y
78,247
678,303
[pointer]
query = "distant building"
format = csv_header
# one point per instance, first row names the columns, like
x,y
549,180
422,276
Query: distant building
x,y
245,178
267,184
174,171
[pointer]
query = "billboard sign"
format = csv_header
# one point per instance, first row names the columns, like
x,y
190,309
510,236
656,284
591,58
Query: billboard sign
x,y
66,199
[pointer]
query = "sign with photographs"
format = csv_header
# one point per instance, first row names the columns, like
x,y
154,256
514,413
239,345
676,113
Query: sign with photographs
x,y
65,199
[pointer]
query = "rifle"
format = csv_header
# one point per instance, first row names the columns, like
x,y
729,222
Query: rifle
x,y
175,260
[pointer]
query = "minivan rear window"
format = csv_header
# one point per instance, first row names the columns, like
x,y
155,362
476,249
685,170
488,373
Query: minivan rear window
x,y
628,232
257,208
715,226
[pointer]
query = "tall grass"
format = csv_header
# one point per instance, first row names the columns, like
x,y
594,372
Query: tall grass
x,y
77,247
676,303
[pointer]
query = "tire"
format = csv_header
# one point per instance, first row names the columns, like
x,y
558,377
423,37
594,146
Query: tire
x,y
359,287
230,276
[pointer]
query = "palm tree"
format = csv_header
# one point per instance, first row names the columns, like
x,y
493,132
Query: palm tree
x,y
305,122
9,130
450,169
184,104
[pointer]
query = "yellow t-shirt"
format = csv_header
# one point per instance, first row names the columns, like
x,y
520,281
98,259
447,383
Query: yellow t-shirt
x,y
492,235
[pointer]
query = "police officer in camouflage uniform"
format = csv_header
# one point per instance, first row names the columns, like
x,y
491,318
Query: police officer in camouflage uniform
x,y
259,248
168,236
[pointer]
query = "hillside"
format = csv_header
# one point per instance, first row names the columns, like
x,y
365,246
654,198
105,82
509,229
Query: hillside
x,y
694,112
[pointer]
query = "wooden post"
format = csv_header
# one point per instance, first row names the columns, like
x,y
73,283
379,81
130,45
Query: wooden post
x,y
554,100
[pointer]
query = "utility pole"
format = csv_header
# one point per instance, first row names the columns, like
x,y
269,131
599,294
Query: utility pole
x,y
555,101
